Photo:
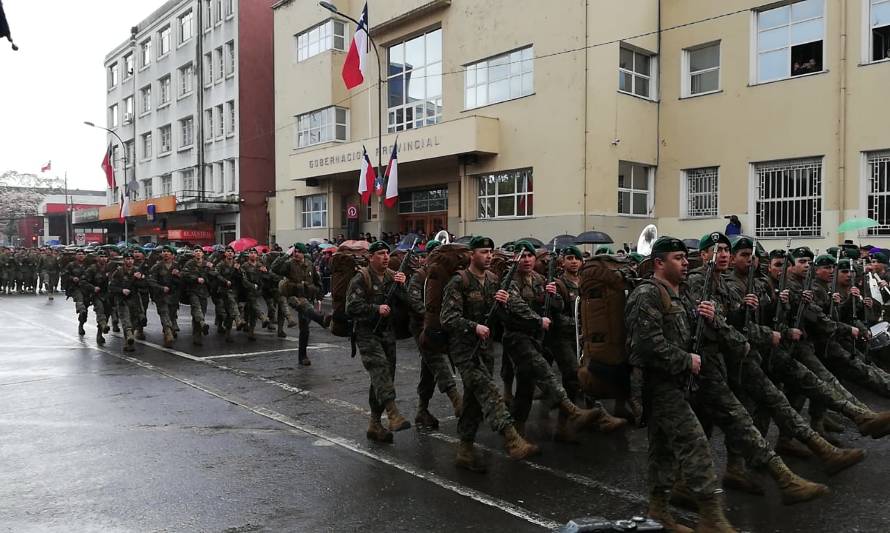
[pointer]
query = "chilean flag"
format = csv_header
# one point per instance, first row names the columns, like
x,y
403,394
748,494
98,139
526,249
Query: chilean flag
x,y
357,56
47,167
108,167
366,178
125,204
392,173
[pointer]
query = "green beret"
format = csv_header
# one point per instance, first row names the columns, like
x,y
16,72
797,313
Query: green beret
x,y
880,257
636,257
478,242
824,260
711,239
844,264
851,251
524,246
101,253
229,248
572,250
300,247
741,242
666,244
801,252
197,249
604,250
431,245
374,248
778,254
127,253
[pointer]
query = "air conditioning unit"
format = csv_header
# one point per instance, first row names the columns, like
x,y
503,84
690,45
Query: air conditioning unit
x,y
128,117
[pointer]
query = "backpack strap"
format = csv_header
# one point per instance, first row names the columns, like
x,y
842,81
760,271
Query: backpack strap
x,y
665,294
366,276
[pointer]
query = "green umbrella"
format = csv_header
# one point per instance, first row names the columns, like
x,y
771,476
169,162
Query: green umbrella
x,y
856,224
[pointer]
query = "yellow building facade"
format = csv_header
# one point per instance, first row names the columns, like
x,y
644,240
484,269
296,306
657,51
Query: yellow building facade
x,y
527,118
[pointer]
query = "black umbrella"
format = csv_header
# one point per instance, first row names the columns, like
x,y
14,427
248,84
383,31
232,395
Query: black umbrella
x,y
562,240
463,240
692,244
593,237
535,242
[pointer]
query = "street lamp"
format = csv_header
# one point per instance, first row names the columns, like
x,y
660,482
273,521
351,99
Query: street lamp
x,y
333,9
124,150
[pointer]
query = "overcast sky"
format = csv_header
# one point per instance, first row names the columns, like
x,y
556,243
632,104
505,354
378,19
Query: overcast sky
x,y
57,80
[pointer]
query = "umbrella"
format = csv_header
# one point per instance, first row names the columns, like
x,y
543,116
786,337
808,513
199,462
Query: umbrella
x,y
463,240
856,224
329,250
535,242
244,243
207,249
356,244
326,246
692,244
408,240
593,237
563,240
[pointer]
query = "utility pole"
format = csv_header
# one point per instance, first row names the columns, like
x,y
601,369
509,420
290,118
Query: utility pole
x,y
67,213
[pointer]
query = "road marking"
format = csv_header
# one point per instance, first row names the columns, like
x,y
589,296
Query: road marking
x,y
320,346
342,442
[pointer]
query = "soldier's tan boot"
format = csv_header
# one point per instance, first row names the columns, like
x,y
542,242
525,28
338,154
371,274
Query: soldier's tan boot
x,y
457,401
565,432
789,447
794,488
168,337
251,333
196,335
832,423
834,459
397,422
876,425
129,341
425,419
712,519
579,418
659,511
681,496
740,478
516,446
376,431
468,459
606,423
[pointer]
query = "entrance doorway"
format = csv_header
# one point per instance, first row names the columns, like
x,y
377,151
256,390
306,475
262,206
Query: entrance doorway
x,y
427,223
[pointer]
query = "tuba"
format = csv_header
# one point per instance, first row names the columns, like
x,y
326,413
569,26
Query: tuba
x,y
647,238
442,237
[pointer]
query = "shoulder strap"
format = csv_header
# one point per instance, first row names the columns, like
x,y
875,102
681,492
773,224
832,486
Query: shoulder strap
x,y
366,276
663,291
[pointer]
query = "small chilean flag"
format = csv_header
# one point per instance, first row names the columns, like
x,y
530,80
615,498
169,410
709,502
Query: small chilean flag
x,y
47,167
125,204
392,174
366,178
108,167
357,56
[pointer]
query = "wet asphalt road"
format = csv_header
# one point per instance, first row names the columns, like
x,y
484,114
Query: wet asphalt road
x,y
238,437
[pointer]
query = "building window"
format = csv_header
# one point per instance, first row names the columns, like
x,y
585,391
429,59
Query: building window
x,y
129,108
186,26
208,124
166,144
220,63
230,8
415,82
166,185
218,12
128,152
219,177
112,76
879,27
186,79
230,117
113,116
128,65
499,78
636,72
790,40
227,232
789,199
425,201
230,175
634,189
701,192
188,181
146,52
208,69
878,168
147,191
146,145
186,126
315,211
506,194
230,58
329,35
208,13
324,125
701,70
164,84
145,95
164,42
219,121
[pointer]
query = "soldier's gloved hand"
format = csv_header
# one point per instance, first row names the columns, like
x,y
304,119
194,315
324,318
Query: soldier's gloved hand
x,y
707,310
137,275
785,296
696,363
399,278
752,301
775,338
126,292
794,334
808,296
502,296
545,323
166,290
836,297
482,331
551,288
854,332
96,290
200,280
882,283
383,310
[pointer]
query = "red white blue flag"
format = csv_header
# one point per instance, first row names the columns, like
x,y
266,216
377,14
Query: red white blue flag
x,y
357,56
392,175
366,178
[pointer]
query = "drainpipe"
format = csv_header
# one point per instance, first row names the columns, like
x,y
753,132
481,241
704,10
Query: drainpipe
x,y
586,98
842,122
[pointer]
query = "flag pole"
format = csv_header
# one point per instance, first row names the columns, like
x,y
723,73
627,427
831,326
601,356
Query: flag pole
x,y
67,213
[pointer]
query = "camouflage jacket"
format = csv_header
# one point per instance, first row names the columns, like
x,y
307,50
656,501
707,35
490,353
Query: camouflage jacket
x,y
364,296
530,288
564,321
97,276
759,332
231,273
253,277
124,278
162,275
50,263
300,276
719,335
822,298
194,270
73,270
814,321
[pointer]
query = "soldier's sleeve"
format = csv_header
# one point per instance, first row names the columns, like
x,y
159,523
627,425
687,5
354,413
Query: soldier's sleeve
x,y
644,321
115,285
452,314
188,273
415,294
357,305
519,316
86,282
152,279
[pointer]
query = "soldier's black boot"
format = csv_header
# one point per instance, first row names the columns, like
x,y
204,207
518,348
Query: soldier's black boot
x,y
281,333
227,328
140,333
196,334
100,340
115,326
468,459
81,320
303,346
251,333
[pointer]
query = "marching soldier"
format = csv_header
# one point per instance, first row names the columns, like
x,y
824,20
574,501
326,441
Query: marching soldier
x,y
164,280
254,274
124,286
229,275
71,277
51,270
197,275
299,287
95,283
144,293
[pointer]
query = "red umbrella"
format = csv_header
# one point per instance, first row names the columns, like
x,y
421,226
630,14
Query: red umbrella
x,y
244,243
207,249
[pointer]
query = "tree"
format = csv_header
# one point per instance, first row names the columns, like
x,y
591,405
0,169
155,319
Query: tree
x,y
20,195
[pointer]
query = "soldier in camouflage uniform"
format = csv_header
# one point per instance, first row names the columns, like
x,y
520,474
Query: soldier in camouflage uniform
x,y
299,287
95,282
367,305
51,270
144,293
229,274
71,276
124,287
197,275
467,299
254,276
434,364
164,280
4,269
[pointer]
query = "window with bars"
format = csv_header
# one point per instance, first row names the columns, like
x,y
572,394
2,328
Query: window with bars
x,y
500,78
789,198
414,82
634,189
315,211
425,201
506,194
701,192
878,168
636,72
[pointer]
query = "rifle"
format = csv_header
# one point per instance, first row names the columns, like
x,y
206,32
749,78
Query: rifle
x,y
749,289
807,286
692,383
504,285
551,274
779,317
392,288
831,310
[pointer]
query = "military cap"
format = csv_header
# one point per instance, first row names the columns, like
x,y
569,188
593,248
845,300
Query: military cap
x,y
572,250
127,253
801,252
229,248
478,242
524,246
851,250
741,242
431,245
636,257
377,246
101,253
824,260
251,251
300,247
844,264
778,254
197,249
168,248
880,257
868,247
712,239
604,250
666,244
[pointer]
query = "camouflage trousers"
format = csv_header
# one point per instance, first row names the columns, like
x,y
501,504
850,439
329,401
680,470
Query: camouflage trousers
x,y
850,366
80,301
102,305
198,305
482,400
144,298
531,370
129,310
51,281
252,311
677,442
228,309
435,369
562,351
378,355
167,306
